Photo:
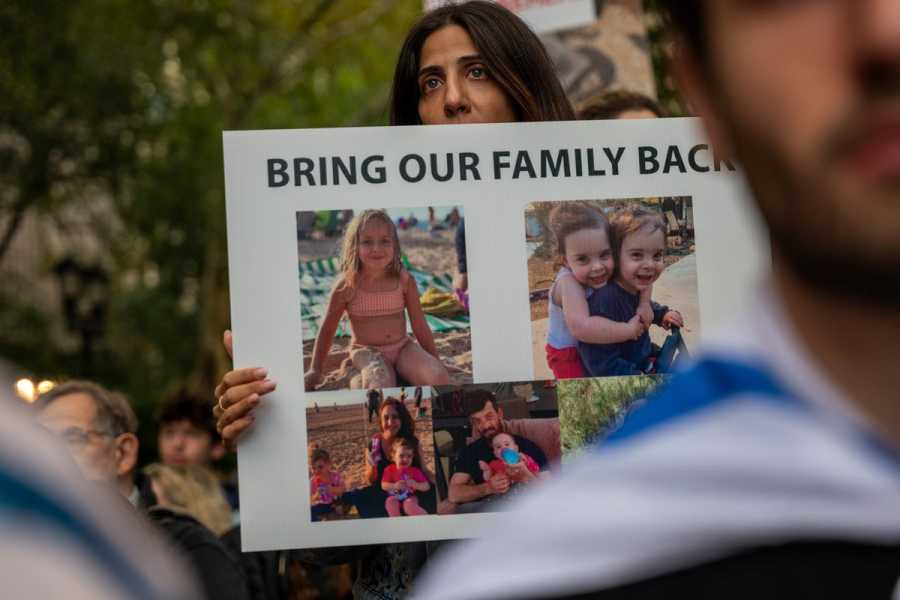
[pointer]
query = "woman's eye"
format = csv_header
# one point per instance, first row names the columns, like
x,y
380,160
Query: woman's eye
x,y
477,72
431,83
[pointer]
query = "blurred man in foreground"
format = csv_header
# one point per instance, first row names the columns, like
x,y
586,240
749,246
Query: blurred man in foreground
x,y
98,427
64,537
769,468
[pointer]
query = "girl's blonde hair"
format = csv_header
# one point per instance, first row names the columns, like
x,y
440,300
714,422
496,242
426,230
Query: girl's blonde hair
x,y
194,490
570,217
350,264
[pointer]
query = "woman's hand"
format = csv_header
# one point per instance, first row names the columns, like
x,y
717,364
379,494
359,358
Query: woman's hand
x,y
237,396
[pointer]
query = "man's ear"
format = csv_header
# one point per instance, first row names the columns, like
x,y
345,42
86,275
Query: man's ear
x,y
126,453
499,413
217,451
697,83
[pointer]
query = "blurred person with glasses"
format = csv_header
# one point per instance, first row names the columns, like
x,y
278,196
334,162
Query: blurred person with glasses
x,y
99,428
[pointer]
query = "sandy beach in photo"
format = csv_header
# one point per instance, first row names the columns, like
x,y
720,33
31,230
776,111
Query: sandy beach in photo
x,y
430,251
344,432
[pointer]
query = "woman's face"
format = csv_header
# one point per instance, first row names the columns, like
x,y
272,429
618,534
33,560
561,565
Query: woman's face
x,y
390,421
454,84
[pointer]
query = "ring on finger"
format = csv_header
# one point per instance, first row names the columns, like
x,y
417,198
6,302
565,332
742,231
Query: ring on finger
x,y
221,406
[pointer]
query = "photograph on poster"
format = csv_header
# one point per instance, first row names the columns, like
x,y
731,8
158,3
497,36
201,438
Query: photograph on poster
x,y
317,467
592,408
612,286
371,454
380,300
503,434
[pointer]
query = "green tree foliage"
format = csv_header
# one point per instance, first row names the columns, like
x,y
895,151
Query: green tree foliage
x,y
588,407
660,54
111,115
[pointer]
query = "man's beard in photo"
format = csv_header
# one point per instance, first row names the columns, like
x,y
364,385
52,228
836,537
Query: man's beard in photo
x,y
808,221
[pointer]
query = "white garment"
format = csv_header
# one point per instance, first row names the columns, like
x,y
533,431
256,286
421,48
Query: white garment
x,y
749,446
63,537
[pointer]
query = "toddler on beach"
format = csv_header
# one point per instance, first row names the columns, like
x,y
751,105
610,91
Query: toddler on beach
x,y
325,486
402,480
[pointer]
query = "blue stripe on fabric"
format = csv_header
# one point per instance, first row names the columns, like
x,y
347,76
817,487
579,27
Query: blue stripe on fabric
x,y
711,382
17,496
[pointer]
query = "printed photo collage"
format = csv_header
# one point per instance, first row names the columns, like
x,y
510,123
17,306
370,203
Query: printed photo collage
x,y
397,426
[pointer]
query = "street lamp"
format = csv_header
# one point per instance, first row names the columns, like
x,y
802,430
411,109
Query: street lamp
x,y
85,300
28,391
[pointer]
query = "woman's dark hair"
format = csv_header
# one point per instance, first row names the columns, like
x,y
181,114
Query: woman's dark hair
x,y
407,426
513,55
609,105
689,19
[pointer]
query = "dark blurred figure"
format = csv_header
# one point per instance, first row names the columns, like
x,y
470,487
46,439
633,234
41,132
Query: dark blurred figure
x,y
186,433
373,401
418,396
187,436
619,104
99,428
768,469
64,537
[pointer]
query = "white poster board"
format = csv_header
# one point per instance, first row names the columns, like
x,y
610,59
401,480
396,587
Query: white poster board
x,y
264,194
543,16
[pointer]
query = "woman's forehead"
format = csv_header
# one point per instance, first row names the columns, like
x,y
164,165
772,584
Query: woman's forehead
x,y
446,46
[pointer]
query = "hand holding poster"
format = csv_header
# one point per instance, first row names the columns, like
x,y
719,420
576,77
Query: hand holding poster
x,y
290,197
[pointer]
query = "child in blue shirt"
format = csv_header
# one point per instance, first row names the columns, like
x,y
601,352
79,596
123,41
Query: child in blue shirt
x,y
639,243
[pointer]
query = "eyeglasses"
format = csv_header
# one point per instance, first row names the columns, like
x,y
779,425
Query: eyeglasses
x,y
77,437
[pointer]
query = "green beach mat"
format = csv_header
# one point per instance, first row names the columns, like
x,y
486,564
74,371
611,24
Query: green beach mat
x,y
317,277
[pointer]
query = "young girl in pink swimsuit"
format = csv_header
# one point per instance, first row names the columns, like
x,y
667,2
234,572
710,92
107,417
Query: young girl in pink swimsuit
x,y
377,293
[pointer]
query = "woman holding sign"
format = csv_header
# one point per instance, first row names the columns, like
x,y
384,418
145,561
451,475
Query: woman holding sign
x,y
468,63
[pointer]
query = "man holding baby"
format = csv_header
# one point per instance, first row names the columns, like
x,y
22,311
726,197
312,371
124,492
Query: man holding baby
x,y
468,486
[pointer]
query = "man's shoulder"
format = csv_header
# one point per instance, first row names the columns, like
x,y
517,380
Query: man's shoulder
x,y
708,384
477,446
527,446
468,456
